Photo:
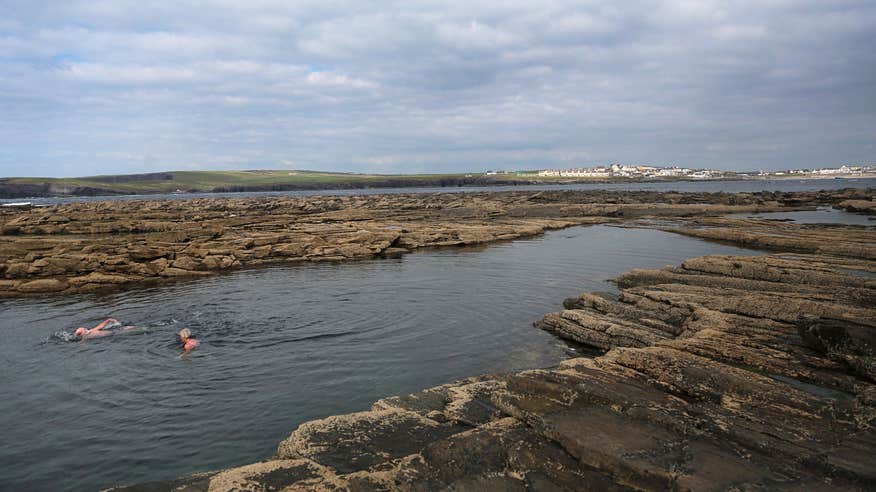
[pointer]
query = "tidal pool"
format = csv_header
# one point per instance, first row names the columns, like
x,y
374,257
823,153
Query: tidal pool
x,y
281,346
822,215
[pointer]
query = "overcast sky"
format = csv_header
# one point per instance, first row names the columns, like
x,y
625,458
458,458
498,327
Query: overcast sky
x,y
117,86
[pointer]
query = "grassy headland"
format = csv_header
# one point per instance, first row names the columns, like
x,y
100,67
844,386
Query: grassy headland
x,y
275,180
230,181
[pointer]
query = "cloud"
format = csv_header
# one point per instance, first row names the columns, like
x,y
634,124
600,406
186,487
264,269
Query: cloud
x,y
328,79
104,86
474,35
126,75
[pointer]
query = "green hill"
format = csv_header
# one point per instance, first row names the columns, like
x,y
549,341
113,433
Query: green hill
x,y
219,181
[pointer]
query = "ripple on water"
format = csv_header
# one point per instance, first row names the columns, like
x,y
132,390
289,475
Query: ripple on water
x,y
280,346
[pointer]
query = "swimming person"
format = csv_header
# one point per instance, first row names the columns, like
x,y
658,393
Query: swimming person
x,y
189,343
107,328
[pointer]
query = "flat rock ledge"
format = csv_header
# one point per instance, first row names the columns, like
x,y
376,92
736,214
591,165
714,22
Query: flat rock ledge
x,y
108,245
723,373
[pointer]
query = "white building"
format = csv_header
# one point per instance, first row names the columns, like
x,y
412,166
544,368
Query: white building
x,y
703,174
597,172
841,170
673,171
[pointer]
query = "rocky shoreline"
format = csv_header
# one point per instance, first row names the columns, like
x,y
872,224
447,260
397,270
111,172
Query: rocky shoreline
x,y
722,373
95,186
108,245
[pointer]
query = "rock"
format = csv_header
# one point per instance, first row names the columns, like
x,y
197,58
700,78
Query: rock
x,y
288,249
140,253
8,286
837,335
394,252
598,330
42,285
859,206
216,262
16,269
186,263
139,239
179,272
356,442
844,341
100,278
844,241
268,475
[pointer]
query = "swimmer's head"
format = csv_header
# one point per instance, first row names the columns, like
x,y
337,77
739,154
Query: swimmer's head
x,y
185,334
80,332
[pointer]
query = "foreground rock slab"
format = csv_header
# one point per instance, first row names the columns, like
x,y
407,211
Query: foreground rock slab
x,y
723,373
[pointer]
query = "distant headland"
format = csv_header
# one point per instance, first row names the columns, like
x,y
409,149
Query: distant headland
x,y
290,180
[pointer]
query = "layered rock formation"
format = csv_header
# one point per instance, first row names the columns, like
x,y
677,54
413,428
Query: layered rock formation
x,y
723,373
839,240
859,206
104,245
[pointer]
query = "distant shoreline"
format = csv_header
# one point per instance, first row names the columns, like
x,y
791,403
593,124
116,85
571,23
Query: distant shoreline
x,y
191,182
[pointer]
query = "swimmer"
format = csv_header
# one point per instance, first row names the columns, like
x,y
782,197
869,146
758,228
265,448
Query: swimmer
x,y
107,328
189,343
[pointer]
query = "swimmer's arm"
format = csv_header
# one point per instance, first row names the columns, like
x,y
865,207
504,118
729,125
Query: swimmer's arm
x,y
104,323
98,334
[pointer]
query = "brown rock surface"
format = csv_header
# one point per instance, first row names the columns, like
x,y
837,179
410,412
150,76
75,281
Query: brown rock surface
x,y
134,242
859,206
839,240
723,373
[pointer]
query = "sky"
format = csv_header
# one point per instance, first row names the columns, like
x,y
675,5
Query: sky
x,y
107,87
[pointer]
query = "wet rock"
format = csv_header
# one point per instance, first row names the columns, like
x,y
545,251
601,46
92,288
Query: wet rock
x,y
356,442
179,272
844,341
859,206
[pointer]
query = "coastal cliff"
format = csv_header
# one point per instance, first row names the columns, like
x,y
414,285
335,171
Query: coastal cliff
x,y
722,373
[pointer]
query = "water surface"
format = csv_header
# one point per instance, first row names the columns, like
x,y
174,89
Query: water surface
x,y
823,215
740,186
281,346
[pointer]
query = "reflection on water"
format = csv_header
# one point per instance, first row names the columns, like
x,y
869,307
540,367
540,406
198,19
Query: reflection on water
x,y
281,346
823,215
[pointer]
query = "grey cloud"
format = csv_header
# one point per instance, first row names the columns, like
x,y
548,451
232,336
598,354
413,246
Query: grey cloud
x,y
119,86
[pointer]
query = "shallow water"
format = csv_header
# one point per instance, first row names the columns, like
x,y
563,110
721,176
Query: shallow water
x,y
823,215
281,346
741,186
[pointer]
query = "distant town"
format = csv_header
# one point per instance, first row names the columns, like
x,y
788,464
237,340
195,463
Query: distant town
x,y
645,171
